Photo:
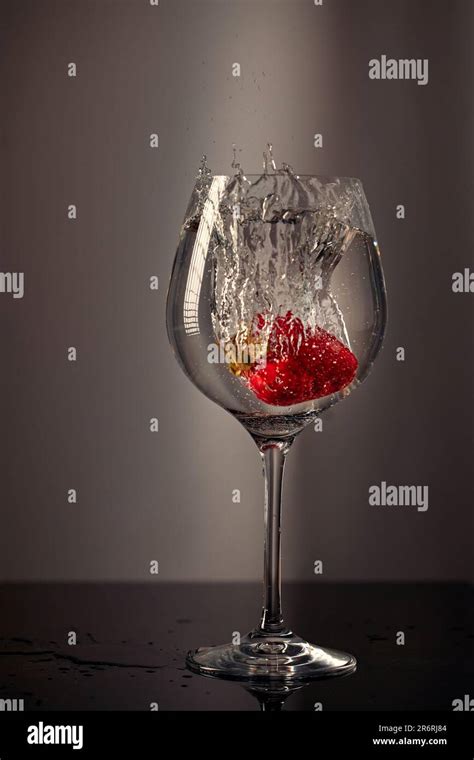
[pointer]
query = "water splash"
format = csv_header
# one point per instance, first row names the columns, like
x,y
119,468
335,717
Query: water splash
x,y
236,164
199,196
268,160
275,240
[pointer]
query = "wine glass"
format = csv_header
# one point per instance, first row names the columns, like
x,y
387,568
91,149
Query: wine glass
x,y
276,310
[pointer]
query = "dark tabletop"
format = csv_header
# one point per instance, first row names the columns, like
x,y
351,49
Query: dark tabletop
x,y
132,640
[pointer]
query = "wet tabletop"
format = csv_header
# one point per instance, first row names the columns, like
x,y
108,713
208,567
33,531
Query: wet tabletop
x,y
132,640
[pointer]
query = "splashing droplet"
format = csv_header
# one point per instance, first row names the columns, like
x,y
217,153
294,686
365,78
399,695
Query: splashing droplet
x,y
268,160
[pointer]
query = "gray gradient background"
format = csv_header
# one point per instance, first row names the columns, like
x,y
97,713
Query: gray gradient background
x,y
168,496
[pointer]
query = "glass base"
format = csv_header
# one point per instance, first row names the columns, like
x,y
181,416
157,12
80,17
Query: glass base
x,y
270,658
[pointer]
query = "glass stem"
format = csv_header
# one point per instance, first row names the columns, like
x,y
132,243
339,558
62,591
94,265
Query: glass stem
x,y
273,455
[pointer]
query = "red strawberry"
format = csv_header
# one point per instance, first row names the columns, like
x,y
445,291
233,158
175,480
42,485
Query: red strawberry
x,y
286,337
301,365
281,383
331,364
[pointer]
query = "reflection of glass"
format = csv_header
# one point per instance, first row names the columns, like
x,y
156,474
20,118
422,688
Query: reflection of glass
x,y
276,311
272,697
